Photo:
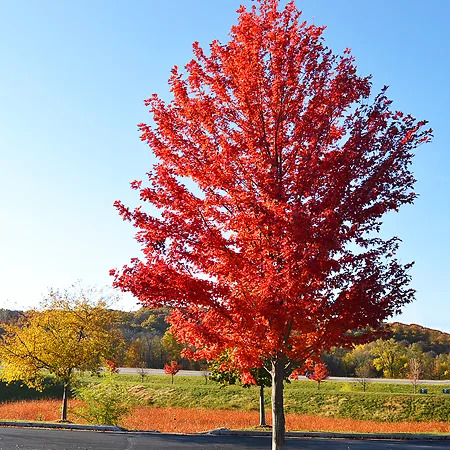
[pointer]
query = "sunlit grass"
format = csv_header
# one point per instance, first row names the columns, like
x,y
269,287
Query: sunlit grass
x,y
300,385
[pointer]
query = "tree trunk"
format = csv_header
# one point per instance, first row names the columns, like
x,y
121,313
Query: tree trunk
x,y
278,421
64,404
262,412
172,378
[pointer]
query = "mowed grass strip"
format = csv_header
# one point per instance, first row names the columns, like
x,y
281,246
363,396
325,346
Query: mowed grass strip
x,y
299,385
183,420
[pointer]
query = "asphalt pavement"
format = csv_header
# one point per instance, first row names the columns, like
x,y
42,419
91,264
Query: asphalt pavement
x,y
198,373
44,439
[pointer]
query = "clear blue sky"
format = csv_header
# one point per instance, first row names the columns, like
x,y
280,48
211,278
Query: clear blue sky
x,y
72,79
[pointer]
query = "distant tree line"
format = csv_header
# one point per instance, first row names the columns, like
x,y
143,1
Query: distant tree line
x,y
404,350
148,341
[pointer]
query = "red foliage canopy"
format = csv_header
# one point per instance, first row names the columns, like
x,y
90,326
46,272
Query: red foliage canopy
x,y
173,368
319,373
112,365
274,169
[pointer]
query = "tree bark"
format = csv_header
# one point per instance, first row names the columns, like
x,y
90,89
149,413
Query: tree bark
x,y
262,412
64,403
278,421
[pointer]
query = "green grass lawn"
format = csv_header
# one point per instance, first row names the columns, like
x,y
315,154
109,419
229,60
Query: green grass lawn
x,y
299,385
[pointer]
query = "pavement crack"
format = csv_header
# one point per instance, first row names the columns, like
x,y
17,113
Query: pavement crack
x,y
130,443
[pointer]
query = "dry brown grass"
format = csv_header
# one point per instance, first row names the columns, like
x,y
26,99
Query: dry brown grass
x,y
196,420
189,420
193,421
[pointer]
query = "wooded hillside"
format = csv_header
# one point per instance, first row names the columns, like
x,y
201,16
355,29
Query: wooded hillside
x,y
150,344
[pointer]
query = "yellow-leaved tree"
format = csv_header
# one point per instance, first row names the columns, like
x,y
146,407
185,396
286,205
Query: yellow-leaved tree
x,y
390,358
69,333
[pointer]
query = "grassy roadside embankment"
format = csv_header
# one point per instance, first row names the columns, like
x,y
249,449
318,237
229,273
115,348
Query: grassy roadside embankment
x,y
382,402
159,405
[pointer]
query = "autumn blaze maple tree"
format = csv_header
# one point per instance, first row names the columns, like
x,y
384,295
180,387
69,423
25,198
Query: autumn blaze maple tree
x,y
316,371
172,369
319,373
274,169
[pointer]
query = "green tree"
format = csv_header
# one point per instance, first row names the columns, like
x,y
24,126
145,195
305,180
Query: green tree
x,y
441,369
71,333
390,358
427,361
156,356
222,373
358,357
172,348
106,402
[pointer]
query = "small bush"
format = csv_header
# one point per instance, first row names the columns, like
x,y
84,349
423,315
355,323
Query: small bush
x,y
106,402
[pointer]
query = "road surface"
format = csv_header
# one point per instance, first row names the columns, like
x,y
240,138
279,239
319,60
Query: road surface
x,y
195,373
27,439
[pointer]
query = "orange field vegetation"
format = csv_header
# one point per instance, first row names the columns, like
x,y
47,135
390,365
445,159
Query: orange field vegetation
x,y
34,410
196,420
192,421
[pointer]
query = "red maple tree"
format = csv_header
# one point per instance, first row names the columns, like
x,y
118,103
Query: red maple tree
x,y
274,169
111,365
172,369
319,373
